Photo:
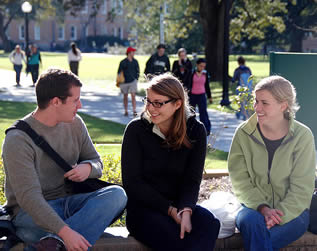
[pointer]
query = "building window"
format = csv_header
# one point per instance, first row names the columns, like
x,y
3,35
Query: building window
x,y
61,33
114,4
85,8
37,32
114,32
104,7
87,31
21,32
120,32
120,7
73,33
104,30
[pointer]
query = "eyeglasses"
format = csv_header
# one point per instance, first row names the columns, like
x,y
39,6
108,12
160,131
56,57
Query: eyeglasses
x,y
155,104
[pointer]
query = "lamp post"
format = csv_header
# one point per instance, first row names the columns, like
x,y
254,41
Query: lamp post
x,y
225,81
162,13
26,8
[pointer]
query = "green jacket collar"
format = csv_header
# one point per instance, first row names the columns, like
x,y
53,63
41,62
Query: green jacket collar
x,y
250,126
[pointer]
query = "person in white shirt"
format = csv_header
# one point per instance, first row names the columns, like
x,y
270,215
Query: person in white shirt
x,y
74,56
16,57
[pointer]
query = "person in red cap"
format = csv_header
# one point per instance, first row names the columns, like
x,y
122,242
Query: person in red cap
x,y
131,71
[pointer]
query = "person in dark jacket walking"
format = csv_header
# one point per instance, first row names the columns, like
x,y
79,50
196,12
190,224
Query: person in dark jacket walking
x,y
131,72
158,63
34,61
182,68
198,88
163,156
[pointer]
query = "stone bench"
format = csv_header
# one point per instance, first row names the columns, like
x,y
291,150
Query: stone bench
x,y
118,239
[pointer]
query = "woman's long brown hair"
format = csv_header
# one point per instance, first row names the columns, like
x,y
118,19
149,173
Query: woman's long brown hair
x,y
169,86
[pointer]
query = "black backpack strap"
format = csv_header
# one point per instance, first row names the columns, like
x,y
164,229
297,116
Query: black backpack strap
x,y
40,142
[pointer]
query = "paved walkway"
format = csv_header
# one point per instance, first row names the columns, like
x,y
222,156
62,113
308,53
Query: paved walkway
x,y
106,103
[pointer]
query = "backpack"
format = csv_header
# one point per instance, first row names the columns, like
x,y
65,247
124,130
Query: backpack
x,y
246,81
313,212
7,229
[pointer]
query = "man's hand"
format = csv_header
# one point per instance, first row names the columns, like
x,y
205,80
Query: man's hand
x,y
73,240
79,173
186,224
210,100
271,216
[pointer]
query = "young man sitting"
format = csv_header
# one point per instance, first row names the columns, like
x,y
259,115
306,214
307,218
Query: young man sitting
x,y
45,214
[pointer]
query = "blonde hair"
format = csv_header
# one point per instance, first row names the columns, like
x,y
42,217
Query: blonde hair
x,y
169,86
283,91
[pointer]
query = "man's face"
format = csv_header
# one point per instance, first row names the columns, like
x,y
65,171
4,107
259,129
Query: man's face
x,y
67,110
131,54
161,52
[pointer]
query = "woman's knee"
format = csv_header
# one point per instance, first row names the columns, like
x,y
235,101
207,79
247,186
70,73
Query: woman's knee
x,y
249,218
205,220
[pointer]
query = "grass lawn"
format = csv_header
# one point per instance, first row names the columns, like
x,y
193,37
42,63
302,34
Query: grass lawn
x,y
98,66
101,131
105,134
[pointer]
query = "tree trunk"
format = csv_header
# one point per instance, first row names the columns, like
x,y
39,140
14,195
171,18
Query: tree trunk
x,y
212,13
296,40
3,35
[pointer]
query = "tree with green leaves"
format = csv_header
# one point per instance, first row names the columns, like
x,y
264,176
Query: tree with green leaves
x,y
248,17
11,9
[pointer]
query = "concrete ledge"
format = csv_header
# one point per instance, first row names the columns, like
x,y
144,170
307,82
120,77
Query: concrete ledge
x,y
215,173
117,239
308,242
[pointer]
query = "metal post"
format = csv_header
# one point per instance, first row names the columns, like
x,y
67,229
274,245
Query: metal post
x,y
26,34
162,12
225,81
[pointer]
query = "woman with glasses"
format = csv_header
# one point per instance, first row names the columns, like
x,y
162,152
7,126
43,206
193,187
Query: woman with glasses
x,y
163,156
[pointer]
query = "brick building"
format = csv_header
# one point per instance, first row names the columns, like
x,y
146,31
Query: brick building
x,y
51,33
310,42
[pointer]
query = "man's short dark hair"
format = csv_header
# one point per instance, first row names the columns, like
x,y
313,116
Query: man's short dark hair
x,y
55,83
200,60
241,60
161,46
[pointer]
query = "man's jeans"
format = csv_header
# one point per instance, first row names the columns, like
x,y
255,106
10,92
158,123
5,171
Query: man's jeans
x,y
257,237
88,214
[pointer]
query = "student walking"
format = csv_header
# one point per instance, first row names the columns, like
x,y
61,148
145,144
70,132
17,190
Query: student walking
x,y
158,63
241,76
182,68
74,56
16,57
34,61
198,87
131,71
163,156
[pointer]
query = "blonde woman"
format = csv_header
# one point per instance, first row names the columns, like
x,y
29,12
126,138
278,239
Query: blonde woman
x,y
272,168
163,156
16,57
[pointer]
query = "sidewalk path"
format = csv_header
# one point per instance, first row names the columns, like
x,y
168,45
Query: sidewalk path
x,y
106,103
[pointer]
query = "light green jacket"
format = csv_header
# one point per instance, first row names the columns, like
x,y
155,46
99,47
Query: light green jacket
x,y
290,183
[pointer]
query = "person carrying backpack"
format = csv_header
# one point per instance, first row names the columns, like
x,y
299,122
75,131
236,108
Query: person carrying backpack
x,y
242,75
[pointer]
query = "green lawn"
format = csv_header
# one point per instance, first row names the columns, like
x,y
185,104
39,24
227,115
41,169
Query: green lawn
x,y
105,134
104,67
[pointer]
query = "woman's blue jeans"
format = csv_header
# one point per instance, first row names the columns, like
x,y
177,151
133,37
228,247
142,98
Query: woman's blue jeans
x,y
257,237
88,214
